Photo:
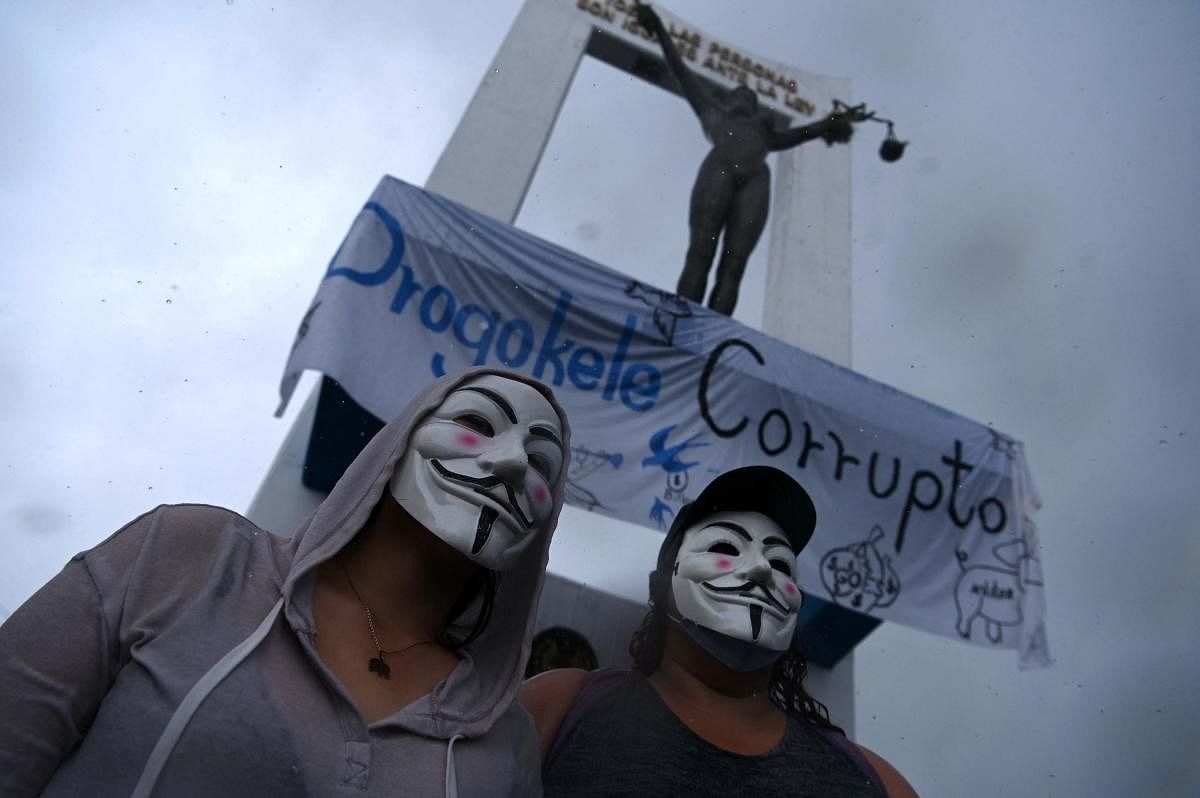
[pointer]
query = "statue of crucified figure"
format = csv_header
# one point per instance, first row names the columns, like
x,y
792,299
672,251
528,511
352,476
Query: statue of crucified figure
x,y
733,188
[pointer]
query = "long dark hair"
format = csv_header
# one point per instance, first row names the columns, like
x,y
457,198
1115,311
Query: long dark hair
x,y
786,685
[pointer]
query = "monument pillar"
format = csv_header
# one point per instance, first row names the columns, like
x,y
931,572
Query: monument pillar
x,y
807,296
494,152
807,304
487,165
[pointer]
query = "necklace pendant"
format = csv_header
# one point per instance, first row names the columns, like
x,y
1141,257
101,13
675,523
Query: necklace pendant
x,y
379,667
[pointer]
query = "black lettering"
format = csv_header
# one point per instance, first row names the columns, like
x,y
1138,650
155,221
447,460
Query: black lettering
x,y
809,444
762,431
914,500
871,476
709,366
842,457
983,515
961,467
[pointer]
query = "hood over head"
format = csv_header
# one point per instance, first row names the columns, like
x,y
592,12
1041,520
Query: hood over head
x,y
484,684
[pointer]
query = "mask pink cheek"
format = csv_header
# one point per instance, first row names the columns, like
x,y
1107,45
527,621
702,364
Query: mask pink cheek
x,y
790,589
724,564
540,494
468,439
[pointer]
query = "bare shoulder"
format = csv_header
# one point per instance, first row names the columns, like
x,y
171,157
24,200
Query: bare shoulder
x,y
895,784
548,697
558,686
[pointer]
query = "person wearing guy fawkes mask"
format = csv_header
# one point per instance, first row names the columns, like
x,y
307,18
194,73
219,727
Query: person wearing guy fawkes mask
x,y
377,651
716,704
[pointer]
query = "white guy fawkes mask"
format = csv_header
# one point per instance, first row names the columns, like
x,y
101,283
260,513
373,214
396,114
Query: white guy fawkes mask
x,y
733,575
479,471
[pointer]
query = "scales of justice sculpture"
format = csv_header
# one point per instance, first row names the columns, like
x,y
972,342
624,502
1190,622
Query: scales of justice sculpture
x,y
731,196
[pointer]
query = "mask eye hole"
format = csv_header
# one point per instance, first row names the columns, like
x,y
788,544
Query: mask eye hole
x,y
783,566
724,547
475,422
540,464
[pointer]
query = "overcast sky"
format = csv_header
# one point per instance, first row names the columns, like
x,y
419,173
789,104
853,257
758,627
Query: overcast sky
x,y
174,179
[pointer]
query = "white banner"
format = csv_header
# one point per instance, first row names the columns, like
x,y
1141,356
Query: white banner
x,y
924,517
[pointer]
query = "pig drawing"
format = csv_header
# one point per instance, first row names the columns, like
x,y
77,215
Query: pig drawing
x,y
860,576
993,592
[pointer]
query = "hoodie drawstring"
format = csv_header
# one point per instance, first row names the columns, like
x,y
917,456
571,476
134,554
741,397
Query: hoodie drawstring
x,y
200,690
451,774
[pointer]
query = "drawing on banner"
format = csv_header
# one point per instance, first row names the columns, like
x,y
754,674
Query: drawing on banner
x,y
668,308
859,575
667,457
303,331
994,593
1005,445
676,491
662,513
584,463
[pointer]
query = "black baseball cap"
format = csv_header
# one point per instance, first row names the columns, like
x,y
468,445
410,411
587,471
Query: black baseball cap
x,y
757,489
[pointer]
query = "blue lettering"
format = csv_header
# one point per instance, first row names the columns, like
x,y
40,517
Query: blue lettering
x,y
548,353
614,372
408,289
484,333
585,377
431,297
487,330
526,345
647,389
390,264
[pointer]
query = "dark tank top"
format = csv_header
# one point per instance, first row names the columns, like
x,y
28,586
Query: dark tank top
x,y
620,739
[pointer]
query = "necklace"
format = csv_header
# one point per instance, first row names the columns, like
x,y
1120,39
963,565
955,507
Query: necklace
x,y
377,664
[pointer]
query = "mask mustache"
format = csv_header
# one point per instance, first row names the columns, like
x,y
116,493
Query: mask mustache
x,y
746,589
482,484
483,529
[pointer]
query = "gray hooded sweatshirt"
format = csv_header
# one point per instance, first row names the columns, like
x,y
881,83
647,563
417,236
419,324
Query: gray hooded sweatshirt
x,y
178,657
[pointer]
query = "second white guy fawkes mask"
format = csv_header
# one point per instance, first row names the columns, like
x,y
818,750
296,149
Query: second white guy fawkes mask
x,y
734,575
479,471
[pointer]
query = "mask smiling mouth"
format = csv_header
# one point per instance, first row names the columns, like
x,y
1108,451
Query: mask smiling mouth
x,y
482,486
754,592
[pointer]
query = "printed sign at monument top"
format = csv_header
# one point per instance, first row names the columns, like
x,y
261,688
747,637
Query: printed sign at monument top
x,y
782,88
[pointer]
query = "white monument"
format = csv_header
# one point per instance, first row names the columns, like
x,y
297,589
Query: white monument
x,y
488,165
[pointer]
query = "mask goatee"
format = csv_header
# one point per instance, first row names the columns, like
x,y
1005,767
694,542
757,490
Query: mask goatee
x,y
755,620
483,530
